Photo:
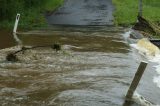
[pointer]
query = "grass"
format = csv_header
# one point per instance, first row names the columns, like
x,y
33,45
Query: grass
x,y
32,17
36,17
126,11
53,4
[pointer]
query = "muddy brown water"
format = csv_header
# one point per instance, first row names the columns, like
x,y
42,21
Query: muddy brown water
x,y
94,68
6,39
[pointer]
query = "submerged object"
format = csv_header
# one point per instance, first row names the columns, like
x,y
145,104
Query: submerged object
x,y
11,57
56,47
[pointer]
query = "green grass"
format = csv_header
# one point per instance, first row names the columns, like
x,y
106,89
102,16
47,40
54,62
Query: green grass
x,y
35,17
126,11
32,17
53,4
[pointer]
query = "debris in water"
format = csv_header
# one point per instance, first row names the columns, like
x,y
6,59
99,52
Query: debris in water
x,y
23,49
57,47
11,57
147,28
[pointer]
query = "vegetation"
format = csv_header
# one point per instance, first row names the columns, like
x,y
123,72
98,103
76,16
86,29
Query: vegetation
x,y
32,12
127,10
147,28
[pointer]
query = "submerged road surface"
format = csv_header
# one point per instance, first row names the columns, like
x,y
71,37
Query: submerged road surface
x,y
94,68
83,12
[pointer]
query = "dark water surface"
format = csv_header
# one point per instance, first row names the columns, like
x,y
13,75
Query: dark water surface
x,y
6,39
94,68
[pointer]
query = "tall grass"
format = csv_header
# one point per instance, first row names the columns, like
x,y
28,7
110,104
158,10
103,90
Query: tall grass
x,y
52,4
32,13
126,11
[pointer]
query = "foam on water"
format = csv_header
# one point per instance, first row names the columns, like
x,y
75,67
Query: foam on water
x,y
141,100
152,58
156,79
126,34
144,50
158,69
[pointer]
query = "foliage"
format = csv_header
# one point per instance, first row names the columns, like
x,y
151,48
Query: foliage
x,y
127,10
32,11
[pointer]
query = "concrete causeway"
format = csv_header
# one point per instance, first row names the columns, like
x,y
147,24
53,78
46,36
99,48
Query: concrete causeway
x,y
83,12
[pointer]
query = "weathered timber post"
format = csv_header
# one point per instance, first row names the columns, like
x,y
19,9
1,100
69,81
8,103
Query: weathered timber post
x,y
136,80
140,8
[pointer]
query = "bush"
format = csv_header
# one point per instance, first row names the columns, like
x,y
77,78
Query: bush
x,y
32,11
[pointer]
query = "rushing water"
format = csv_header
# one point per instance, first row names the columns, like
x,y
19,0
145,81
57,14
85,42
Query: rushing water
x,y
94,68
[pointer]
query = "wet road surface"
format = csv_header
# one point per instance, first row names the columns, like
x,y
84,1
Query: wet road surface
x,y
83,12
94,68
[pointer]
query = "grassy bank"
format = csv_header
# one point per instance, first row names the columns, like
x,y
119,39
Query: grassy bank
x,y
32,15
126,11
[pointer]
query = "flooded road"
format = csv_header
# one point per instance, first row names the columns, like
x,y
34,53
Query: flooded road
x,y
83,12
94,68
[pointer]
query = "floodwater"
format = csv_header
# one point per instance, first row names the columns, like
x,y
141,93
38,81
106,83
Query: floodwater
x,y
94,68
6,39
83,12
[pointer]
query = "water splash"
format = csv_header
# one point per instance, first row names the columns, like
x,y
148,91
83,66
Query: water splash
x,y
152,54
156,78
141,100
126,35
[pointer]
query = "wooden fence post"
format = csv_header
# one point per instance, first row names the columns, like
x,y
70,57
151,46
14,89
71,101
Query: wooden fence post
x,y
136,80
